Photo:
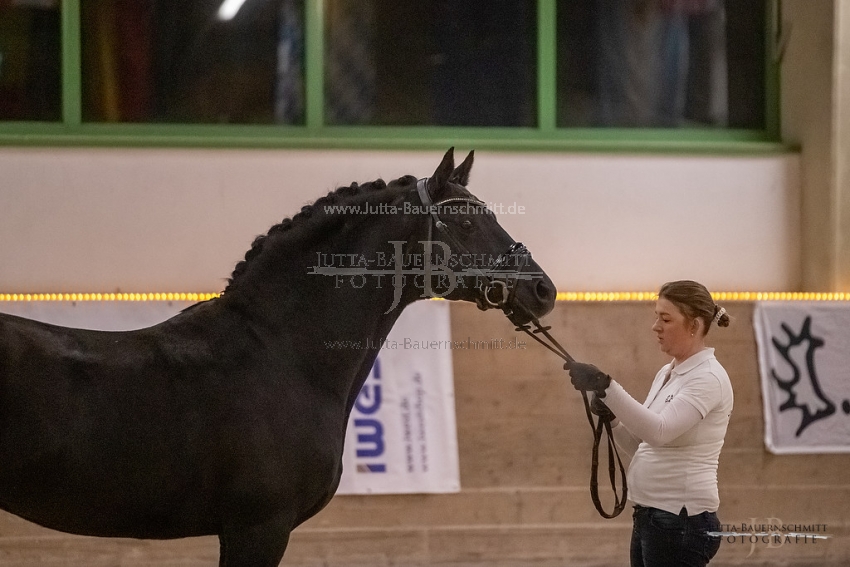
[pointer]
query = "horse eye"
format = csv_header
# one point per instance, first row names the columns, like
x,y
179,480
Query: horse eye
x,y
466,224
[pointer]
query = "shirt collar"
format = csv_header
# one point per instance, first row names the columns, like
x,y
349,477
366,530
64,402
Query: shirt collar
x,y
694,361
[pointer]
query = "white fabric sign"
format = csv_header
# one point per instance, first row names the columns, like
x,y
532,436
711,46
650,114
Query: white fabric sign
x,y
402,435
804,362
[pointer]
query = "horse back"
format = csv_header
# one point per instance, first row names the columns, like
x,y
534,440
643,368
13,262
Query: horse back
x,y
159,432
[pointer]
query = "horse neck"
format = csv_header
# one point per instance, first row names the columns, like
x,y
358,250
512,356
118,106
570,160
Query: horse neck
x,y
334,325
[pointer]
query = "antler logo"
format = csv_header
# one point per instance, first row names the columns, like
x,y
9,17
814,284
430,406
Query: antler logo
x,y
806,396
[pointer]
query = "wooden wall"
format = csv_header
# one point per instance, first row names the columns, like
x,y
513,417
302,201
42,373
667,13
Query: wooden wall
x,y
524,457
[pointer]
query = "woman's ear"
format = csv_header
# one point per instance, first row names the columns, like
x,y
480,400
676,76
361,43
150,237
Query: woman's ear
x,y
695,326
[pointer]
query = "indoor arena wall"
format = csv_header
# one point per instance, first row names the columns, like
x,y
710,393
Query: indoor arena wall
x,y
524,446
154,220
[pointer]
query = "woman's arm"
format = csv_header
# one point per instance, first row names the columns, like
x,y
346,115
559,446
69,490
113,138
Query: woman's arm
x,y
624,439
654,428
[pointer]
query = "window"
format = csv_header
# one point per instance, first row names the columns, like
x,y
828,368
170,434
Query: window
x,y
189,62
661,63
514,74
30,87
444,62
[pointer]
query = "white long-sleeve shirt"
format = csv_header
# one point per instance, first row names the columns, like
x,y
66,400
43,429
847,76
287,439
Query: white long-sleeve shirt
x,y
676,435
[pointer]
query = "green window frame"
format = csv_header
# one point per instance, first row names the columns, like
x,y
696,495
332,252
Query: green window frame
x,y
314,134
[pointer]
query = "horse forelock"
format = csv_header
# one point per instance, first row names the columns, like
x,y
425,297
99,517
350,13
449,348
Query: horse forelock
x,y
301,220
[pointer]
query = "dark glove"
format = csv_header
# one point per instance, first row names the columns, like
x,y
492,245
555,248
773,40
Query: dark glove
x,y
587,377
598,407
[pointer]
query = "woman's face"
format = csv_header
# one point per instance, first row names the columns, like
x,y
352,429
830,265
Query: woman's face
x,y
674,330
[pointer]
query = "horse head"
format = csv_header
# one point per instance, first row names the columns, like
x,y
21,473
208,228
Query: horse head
x,y
470,256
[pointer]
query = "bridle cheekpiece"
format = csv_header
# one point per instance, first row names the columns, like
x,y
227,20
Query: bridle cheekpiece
x,y
490,283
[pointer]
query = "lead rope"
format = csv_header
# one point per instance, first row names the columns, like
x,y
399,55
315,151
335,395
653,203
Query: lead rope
x,y
603,424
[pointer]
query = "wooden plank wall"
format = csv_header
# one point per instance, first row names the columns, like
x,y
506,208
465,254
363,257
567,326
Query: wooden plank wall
x,y
524,456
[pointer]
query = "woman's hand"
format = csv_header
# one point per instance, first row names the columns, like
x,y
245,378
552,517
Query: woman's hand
x,y
598,408
587,377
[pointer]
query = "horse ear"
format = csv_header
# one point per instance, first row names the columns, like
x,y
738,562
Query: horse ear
x,y
441,176
461,173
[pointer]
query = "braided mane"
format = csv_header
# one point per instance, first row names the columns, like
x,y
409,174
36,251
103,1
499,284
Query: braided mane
x,y
307,212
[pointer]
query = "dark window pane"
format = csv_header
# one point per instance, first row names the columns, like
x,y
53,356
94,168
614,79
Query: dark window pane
x,y
443,62
661,63
193,61
30,60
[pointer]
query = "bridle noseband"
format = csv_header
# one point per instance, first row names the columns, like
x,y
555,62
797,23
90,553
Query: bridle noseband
x,y
504,301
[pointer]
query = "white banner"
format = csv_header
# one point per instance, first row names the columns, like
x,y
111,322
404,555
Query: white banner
x,y
804,362
401,437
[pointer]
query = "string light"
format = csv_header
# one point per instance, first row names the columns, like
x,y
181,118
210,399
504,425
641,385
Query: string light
x,y
107,296
600,296
717,296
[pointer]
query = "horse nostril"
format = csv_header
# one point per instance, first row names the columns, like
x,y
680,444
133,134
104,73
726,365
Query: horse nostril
x,y
544,291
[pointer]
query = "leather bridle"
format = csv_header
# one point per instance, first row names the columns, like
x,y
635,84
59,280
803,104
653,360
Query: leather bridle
x,y
490,283
504,302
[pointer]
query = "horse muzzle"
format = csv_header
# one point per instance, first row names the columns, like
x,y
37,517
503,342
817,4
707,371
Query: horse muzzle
x,y
518,286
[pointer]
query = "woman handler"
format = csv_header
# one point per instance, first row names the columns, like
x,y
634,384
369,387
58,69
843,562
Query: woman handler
x,y
675,437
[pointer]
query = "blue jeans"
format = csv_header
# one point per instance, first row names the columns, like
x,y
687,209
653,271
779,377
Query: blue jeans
x,y
662,539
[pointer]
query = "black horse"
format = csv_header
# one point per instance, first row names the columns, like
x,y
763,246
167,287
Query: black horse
x,y
229,418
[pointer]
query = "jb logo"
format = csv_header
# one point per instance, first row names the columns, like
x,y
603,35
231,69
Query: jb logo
x,y
437,271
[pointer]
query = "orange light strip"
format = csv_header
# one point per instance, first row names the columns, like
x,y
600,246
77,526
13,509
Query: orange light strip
x,y
717,296
107,296
562,296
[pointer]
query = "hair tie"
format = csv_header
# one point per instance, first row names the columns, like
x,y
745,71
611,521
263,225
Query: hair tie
x,y
720,313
